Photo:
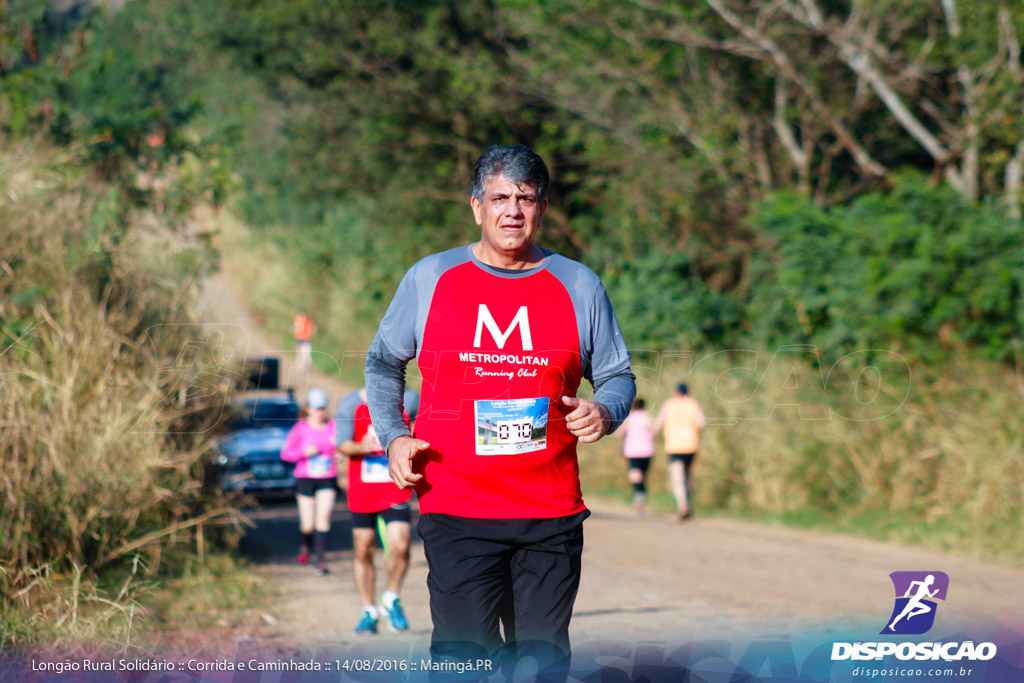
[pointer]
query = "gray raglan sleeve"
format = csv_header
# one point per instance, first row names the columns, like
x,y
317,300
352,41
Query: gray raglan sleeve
x,y
393,347
606,360
385,391
398,327
412,403
616,394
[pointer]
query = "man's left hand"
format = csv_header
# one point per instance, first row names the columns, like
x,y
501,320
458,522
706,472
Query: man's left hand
x,y
588,421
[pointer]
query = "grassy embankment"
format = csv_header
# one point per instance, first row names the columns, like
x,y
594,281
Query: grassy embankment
x,y
111,542
870,444
913,454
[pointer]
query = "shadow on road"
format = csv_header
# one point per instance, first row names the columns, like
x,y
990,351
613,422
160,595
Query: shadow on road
x,y
275,536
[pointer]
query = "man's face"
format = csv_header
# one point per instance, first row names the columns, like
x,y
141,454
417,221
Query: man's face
x,y
509,215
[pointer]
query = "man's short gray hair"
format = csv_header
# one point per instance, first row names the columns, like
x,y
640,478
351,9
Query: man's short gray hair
x,y
518,163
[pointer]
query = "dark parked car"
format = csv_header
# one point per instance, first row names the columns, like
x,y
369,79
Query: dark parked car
x,y
250,453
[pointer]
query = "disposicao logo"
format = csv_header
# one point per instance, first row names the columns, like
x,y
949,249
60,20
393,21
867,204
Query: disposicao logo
x,y
913,614
916,595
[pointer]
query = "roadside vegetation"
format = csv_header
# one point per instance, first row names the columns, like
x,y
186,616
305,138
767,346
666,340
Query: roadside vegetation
x,y
867,445
110,400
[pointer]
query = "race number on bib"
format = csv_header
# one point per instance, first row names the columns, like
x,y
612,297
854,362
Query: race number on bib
x,y
375,469
319,466
511,426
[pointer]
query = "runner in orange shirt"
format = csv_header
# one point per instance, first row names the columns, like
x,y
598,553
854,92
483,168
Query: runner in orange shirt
x,y
683,420
304,329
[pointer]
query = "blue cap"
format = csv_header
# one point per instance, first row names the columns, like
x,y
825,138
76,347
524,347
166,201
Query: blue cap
x,y
316,399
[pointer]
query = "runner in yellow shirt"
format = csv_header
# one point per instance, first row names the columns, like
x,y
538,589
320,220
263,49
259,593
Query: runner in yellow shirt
x,y
683,420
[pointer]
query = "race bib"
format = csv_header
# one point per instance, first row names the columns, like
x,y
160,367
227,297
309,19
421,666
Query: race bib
x,y
319,466
512,426
375,469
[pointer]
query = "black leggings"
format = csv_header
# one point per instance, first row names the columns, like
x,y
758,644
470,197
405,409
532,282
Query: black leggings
x,y
686,459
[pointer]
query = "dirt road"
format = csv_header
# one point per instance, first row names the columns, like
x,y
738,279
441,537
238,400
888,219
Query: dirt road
x,y
643,578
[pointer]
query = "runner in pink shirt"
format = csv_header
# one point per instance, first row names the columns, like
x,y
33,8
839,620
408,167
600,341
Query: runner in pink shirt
x,y
311,445
637,433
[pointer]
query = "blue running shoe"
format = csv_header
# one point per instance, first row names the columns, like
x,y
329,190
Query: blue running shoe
x,y
396,617
367,626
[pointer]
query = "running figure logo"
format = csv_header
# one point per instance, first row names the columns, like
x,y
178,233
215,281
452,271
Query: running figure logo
x,y
916,593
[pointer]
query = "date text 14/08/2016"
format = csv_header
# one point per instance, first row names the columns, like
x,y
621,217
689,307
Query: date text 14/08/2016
x,y
477,665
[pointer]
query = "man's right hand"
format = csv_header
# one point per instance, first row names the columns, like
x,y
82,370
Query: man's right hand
x,y
400,455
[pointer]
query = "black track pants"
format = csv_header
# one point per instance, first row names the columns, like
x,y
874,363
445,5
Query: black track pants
x,y
523,573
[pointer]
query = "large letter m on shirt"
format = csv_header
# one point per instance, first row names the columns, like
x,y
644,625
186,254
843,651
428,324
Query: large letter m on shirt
x,y
484,318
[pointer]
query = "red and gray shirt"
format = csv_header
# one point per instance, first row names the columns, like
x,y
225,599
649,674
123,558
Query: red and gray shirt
x,y
497,350
370,488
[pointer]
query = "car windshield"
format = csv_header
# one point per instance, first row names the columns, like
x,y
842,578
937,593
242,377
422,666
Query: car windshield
x,y
265,414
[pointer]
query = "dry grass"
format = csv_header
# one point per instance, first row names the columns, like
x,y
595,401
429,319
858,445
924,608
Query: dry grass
x,y
937,460
106,423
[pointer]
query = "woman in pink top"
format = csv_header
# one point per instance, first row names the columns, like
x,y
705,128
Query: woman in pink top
x,y
637,433
311,446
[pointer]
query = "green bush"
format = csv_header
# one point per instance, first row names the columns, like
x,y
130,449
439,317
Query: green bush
x,y
916,269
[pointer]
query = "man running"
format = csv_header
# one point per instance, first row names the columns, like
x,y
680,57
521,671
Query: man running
x,y
503,333
374,501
